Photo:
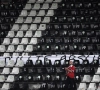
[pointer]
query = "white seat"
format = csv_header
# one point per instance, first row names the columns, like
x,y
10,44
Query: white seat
x,y
28,20
31,1
82,86
86,78
10,63
24,27
39,1
98,70
5,86
23,13
20,48
15,54
6,54
37,20
6,71
54,6
25,54
19,34
29,48
41,13
19,20
19,63
33,27
15,70
15,27
28,6
33,41
11,34
46,20
57,1
45,6
96,78
50,13
29,34
36,6
11,48
49,1
2,78
38,34
2,48
24,41
10,78
2,63
42,27
15,41
92,86
6,41
32,13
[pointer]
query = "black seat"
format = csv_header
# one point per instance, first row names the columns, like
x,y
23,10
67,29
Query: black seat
x,y
47,63
57,63
76,63
78,78
29,63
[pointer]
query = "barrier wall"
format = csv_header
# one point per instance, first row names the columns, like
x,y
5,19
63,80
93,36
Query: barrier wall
x,y
54,57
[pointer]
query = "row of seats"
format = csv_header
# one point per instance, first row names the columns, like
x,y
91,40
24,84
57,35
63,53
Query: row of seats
x,y
48,40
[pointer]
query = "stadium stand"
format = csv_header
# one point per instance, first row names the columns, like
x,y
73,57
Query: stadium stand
x,y
48,27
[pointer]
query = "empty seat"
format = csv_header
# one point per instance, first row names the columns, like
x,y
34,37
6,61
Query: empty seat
x,y
49,1
20,48
37,20
46,20
92,86
98,70
2,78
6,41
82,86
5,86
19,20
86,78
19,63
29,34
23,13
2,48
42,27
24,41
38,34
45,6
29,48
41,13
6,54
31,1
33,41
28,6
10,63
15,27
32,13
54,6
11,34
2,63
11,48
6,71
24,27
10,78
36,6
15,70
39,1
19,34
28,20
15,41
25,54
33,27
57,1
96,78
50,13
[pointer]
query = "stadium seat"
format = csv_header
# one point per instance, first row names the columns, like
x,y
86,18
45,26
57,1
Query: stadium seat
x,y
92,86
2,78
15,70
96,78
6,71
82,86
86,78
15,41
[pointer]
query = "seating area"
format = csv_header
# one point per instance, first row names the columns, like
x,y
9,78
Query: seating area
x,y
50,27
47,74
